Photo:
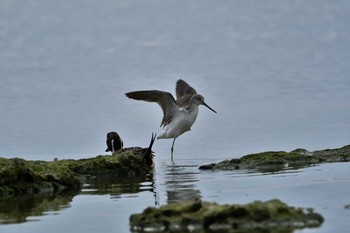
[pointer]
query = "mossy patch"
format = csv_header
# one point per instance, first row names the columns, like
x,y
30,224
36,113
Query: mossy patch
x,y
198,215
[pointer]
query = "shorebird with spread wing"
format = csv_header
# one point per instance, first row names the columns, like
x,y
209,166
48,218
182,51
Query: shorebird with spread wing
x,y
180,114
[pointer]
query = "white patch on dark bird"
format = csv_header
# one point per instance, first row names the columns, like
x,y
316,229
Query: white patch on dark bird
x,y
114,142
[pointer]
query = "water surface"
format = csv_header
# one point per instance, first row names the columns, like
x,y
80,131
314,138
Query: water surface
x,y
276,73
106,206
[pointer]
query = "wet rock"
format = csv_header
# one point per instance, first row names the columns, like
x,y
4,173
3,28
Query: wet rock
x,y
281,159
197,216
21,177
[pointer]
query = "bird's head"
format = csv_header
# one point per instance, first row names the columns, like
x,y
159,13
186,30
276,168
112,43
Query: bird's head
x,y
199,100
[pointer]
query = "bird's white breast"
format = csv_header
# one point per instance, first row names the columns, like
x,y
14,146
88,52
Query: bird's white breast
x,y
181,123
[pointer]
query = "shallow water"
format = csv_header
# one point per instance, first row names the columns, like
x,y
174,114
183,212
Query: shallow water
x,y
107,206
277,73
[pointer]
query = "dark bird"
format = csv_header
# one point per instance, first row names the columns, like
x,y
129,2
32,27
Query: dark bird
x,y
114,142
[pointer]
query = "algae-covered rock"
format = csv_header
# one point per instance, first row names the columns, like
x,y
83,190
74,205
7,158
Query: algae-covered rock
x,y
197,216
281,159
18,176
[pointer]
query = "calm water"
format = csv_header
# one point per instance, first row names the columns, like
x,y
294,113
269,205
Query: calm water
x,y
107,207
277,73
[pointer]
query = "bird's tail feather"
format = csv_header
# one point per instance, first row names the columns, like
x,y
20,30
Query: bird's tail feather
x,y
149,149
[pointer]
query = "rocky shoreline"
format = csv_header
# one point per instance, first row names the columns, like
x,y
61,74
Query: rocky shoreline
x,y
26,177
22,179
276,160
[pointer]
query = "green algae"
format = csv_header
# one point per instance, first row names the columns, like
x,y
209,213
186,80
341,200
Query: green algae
x,y
276,160
21,177
197,216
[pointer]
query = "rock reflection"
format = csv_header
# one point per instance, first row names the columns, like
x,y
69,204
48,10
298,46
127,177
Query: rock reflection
x,y
120,187
19,209
26,208
180,183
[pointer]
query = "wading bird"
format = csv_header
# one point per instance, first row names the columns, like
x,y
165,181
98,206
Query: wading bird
x,y
178,115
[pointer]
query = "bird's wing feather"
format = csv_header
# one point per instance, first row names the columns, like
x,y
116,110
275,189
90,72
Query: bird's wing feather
x,y
184,92
165,100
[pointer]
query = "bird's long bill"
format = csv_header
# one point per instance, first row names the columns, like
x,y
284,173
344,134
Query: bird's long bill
x,y
206,105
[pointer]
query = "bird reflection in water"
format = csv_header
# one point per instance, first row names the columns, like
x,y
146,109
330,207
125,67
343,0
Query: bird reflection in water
x,y
180,182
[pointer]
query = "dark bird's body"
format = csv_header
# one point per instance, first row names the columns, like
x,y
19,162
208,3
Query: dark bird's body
x,y
115,141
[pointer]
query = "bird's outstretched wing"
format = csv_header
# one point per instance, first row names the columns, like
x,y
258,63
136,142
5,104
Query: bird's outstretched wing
x,y
184,92
165,100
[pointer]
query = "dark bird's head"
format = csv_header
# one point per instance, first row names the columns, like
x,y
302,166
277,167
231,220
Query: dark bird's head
x,y
114,142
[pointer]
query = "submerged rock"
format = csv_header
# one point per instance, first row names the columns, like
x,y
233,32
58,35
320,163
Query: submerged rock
x,y
197,216
18,176
281,159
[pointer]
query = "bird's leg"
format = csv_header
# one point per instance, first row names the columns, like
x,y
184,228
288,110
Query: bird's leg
x,y
172,150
